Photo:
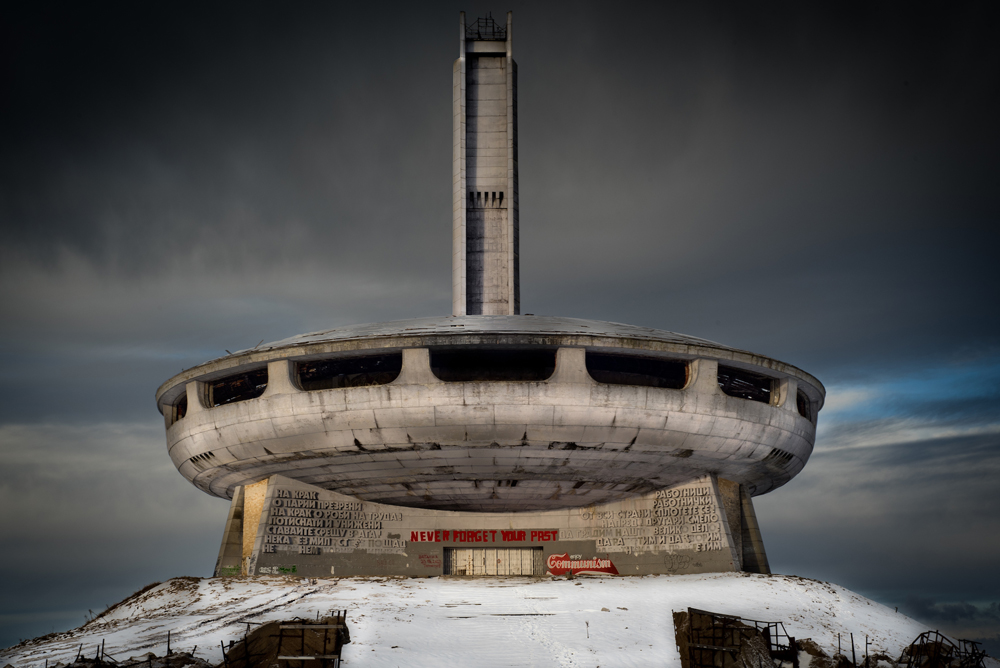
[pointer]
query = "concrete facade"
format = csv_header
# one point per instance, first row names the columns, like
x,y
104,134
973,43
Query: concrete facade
x,y
498,446
308,531
485,270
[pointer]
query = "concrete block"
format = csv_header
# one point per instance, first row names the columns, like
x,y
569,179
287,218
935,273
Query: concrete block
x,y
463,415
549,434
618,396
508,394
350,419
419,416
530,414
616,435
583,415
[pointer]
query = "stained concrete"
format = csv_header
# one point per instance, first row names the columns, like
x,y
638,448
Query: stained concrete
x,y
485,269
305,530
490,446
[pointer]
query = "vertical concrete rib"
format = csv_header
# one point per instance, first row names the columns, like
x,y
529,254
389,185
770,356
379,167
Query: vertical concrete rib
x,y
754,556
513,260
458,266
231,553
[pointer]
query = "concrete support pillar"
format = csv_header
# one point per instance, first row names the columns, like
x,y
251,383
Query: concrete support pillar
x,y
571,367
754,556
280,378
731,504
788,390
196,396
230,561
728,543
704,376
253,507
416,368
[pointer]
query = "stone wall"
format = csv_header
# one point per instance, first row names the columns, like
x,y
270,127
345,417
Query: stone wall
x,y
305,530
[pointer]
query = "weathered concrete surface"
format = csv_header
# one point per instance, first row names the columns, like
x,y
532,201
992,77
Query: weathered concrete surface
x,y
305,530
492,446
566,441
525,330
485,272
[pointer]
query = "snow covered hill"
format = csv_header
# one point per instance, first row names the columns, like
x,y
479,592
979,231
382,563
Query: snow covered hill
x,y
588,621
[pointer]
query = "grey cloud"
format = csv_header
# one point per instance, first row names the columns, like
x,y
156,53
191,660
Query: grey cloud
x,y
952,613
893,519
91,513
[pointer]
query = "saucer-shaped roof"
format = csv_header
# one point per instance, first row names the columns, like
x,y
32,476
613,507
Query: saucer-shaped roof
x,y
486,330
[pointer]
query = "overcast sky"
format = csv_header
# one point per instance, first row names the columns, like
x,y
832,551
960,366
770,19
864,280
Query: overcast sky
x,y
817,185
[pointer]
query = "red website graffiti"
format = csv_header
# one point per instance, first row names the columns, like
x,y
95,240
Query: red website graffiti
x,y
560,564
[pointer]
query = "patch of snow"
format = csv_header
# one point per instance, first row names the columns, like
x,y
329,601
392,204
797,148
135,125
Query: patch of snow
x,y
487,621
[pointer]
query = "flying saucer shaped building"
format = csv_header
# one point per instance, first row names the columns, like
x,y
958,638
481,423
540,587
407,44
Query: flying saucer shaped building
x,y
488,442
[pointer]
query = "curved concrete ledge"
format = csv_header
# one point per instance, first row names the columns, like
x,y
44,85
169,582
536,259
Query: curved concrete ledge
x,y
493,331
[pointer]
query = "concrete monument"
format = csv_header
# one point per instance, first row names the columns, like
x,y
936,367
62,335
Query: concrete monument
x,y
487,442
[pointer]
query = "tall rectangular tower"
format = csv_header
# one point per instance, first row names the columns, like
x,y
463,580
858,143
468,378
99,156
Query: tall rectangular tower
x,y
485,235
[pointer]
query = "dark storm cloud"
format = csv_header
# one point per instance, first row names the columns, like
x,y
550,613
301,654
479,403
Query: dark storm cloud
x,y
813,183
953,613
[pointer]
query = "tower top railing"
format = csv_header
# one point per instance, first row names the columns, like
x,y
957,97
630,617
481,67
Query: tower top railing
x,y
486,29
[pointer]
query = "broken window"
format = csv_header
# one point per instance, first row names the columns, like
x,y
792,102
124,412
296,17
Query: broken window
x,y
745,384
637,370
493,364
239,387
349,371
181,407
493,561
804,405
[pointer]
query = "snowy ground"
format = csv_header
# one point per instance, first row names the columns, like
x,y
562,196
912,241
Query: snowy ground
x,y
482,621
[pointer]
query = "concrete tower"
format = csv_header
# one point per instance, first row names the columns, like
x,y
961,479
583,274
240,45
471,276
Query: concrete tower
x,y
485,235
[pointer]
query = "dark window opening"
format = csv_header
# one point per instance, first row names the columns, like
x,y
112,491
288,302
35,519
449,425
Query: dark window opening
x,y
804,405
745,384
493,364
349,372
181,407
779,457
241,387
635,370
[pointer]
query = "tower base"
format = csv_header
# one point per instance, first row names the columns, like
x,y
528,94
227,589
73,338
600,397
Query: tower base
x,y
281,526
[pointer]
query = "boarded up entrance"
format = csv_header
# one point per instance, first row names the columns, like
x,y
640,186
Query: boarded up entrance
x,y
493,561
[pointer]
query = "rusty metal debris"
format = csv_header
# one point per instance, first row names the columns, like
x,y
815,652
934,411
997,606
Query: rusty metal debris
x,y
712,640
291,644
931,649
